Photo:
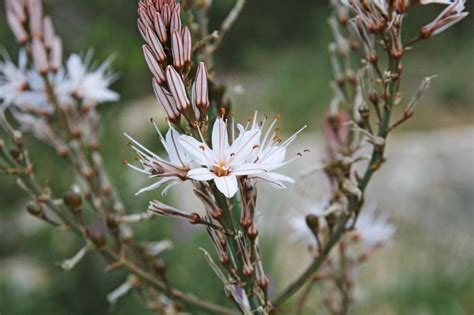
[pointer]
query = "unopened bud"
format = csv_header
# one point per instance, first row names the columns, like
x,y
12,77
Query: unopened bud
x,y
34,209
312,222
247,270
224,259
112,223
263,283
15,153
177,89
252,232
96,236
331,220
72,200
159,266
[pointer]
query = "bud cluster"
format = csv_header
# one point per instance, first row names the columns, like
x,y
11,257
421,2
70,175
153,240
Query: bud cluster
x,y
168,53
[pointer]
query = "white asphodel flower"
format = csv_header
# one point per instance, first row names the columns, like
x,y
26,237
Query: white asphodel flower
x,y
223,162
36,99
172,171
90,85
374,230
271,153
13,78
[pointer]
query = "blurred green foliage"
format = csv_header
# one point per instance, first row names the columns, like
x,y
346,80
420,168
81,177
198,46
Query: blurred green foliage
x,y
281,47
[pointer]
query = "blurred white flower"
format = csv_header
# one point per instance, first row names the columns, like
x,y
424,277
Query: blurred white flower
x,y
297,221
374,230
13,80
90,85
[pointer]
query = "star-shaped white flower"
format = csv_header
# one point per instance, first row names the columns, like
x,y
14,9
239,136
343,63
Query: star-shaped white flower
x,y
13,80
271,153
374,230
223,162
172,171
90,85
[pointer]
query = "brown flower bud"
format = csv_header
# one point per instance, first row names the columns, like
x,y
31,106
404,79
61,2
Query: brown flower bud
x,y
224,259
247,270
312,222
252,232
72,200
96,236
159,266
15,153
263,283
34,209
112,223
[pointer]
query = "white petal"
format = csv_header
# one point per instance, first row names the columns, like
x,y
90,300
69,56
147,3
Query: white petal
x,y
248,169
243,146
220,138
174,148
154,185
201,174
275,179
198,150
227,185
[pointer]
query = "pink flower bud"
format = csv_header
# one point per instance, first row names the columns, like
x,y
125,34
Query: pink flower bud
x,y
166,100
17,8
200,87
187,45
160,27
175,23
177,50
153,64
154,42
142,28
166,13
56,53
35,10
49,33
39,56
17,28
143,14
177,89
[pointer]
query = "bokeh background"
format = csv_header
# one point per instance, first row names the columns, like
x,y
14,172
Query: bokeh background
x,y
275,60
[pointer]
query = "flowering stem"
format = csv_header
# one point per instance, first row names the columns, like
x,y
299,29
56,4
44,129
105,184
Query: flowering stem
x,y
29,182
354,203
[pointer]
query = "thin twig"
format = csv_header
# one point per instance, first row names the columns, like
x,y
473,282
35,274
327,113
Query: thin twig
x,y
228,23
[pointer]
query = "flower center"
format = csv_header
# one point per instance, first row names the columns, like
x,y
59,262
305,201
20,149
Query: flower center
x,y
221,170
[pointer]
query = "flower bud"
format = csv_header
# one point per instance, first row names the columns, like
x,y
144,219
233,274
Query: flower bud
x,y
35,10
175,23
200,87
159,266
56,54
17,28
153,64
34,209
187,45
177,89
166,100
49,33
177,49
96,236
160,27
312,222
39,56
72,200
154,42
